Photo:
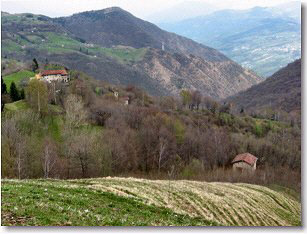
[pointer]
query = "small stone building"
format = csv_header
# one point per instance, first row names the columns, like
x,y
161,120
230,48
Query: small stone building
x,y
244,162
126,100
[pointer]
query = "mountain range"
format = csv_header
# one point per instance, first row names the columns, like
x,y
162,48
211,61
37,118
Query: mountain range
x,y
263,39
114,46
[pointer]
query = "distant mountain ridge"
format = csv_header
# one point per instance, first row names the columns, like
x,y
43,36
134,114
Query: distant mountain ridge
x,y
115,46
262,39
114,26
281,91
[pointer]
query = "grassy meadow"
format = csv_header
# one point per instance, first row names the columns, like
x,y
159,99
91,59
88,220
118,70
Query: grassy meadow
x,y
136,202
17,77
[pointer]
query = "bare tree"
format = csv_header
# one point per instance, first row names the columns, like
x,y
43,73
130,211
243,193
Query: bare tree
x,y
82,152
37,95
166,147
76,113
49,157
20,159
196,99
13,142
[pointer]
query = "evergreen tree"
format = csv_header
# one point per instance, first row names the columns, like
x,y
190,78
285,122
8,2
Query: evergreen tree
x,y
22,94
34,65
14,94
3,87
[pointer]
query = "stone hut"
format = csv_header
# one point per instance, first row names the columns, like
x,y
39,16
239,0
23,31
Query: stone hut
x,y
244,162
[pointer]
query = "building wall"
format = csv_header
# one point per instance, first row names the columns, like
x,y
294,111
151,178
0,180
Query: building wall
x,y
50,78
243,166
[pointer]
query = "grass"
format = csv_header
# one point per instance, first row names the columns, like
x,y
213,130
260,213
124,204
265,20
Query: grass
x,y
23,105
15,106
17,77
53,42
28,202
54,124
122,55
136,202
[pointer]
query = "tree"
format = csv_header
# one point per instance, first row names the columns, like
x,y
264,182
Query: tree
x,y
34,65
186,97
4,96
12,148
14,94
210,104
76,113
196,99
22,94
165,146
49,157
37,95
3,87
82,149
226,108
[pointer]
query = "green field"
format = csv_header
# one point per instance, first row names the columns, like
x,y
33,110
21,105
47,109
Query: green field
x,y
14,106
137,202
123,55
17,77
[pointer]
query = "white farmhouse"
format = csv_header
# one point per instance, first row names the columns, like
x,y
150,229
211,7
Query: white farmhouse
x,y
54,75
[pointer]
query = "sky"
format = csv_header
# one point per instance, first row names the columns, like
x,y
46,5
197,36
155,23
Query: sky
x,y
140,8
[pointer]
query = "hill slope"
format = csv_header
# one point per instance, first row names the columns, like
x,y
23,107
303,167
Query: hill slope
x,y
129,201
280,91
111,44
262,39
181,71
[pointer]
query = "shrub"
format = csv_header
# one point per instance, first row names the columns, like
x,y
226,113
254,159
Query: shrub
x,y
194,168
258,130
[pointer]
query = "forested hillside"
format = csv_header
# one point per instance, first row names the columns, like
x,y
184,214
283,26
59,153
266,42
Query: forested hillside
x,y
281,91
83,131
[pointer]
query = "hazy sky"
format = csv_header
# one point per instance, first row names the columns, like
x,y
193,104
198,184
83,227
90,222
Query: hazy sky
x,y
140,8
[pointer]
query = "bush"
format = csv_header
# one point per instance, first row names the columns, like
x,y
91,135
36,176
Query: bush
x,y
193,169
258,130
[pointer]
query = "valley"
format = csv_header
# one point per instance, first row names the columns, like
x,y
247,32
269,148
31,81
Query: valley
x,y
109,120
260,39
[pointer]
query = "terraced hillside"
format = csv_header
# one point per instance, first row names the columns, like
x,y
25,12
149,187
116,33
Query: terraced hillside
x,y
130,201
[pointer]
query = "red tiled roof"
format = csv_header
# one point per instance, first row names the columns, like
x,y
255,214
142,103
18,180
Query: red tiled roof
x,y
246,157
54,72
